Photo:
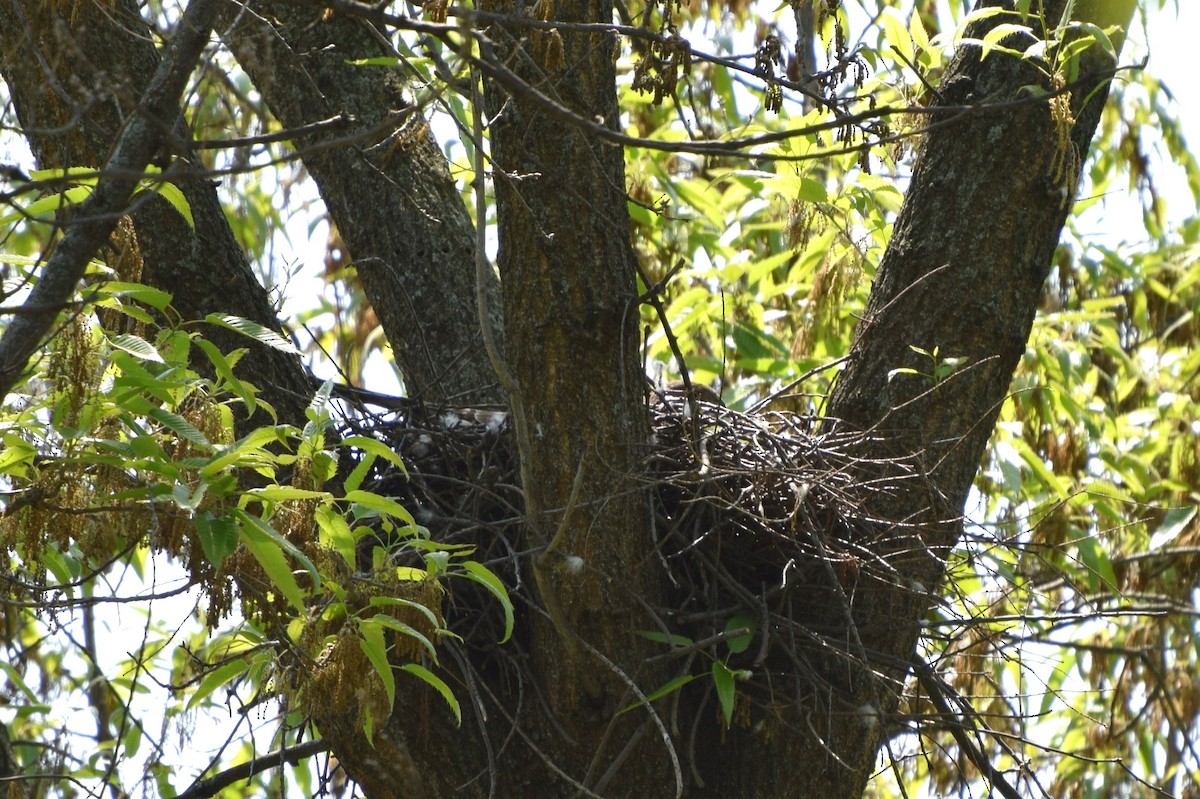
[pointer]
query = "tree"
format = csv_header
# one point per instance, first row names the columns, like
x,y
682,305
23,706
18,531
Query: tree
x,y
206,445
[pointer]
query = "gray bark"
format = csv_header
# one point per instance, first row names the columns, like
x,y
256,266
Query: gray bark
x,y
962,277
387,187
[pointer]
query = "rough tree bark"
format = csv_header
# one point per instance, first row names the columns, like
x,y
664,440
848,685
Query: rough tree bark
x,y
74,75
386,185
962,277
569,274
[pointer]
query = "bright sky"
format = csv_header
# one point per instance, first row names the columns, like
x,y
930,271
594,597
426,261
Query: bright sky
x,y
1171,39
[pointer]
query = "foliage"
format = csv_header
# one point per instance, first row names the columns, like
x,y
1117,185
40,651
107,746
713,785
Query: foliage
x,y
119,459
1068,626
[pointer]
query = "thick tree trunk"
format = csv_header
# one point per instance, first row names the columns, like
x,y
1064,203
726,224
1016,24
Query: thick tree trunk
x,y
569,282
386,185
74,76
954,301
568,274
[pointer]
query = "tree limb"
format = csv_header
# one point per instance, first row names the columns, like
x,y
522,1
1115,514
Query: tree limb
x,y
98,216
211,786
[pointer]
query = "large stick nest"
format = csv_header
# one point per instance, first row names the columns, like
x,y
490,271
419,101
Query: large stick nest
x,y
758,518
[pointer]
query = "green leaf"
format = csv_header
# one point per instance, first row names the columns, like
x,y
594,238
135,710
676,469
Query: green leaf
x,y
702,198
187,499
752,342
723,681
990,45
1102,576
1174,522
15,679
437,562
359,473
65,568
72,174
741,642
920,37
373,447
440,686
179,426
46,207
664,638
268,548
254,330
16,455
485,577
392,623
280,493
375,61
813,191
982,13
218,536
222,675
285,545
670,686
897,34
394,601
374,645
147,295
1098,35
381,504
1040,469
131,741
336,533
224,370
239,452
172,194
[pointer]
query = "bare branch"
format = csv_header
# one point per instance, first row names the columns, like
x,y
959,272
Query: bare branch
x,y
211,786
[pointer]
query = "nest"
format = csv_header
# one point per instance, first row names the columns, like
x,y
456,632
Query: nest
x,y
769,500
758,520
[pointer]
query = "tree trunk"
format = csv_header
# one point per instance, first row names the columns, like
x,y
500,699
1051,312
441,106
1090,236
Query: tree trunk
x,y
386,186
954,301
74,76
569,282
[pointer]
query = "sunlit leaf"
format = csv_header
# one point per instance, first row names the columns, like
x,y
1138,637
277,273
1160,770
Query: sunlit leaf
x,y
269,548
487,578
254,330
